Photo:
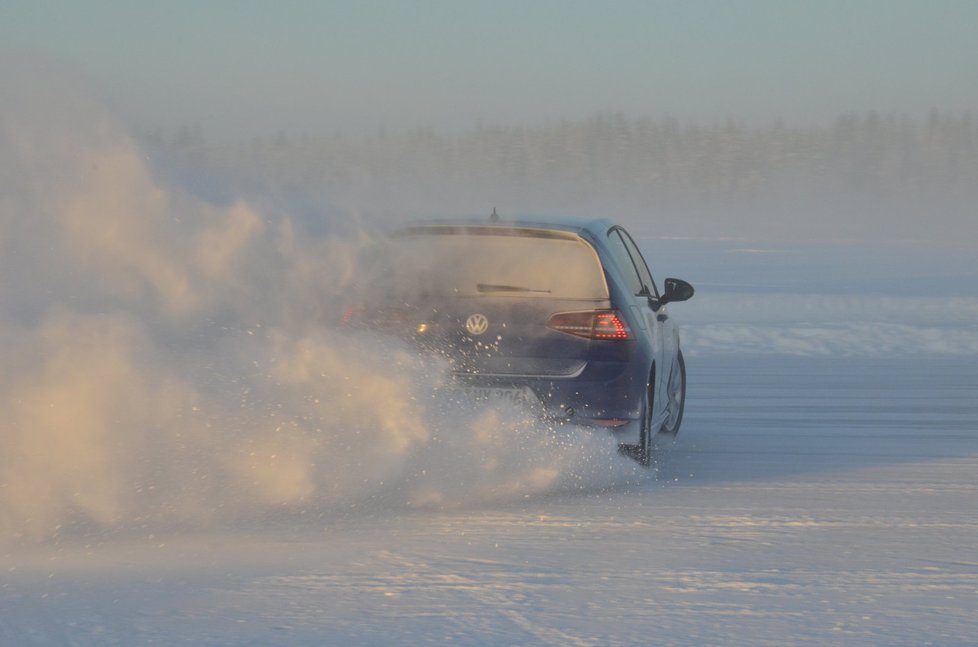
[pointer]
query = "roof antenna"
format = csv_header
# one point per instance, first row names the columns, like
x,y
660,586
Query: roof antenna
x,y
494,217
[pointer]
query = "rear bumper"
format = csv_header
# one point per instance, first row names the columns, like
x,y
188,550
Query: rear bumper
x,y
598,391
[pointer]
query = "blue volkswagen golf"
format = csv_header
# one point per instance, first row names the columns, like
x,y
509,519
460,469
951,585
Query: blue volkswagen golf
x,y
562,315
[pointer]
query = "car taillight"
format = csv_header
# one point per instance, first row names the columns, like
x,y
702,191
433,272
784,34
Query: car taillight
x,y
353,313
591,324
389,319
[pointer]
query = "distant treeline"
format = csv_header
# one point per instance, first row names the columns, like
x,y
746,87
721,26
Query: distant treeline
x,y
916,177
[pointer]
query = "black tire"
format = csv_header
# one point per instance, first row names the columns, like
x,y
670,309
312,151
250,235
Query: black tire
x,y
644,456
677,397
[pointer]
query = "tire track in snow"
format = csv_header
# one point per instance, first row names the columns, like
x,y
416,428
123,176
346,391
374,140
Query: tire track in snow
x,y
497,594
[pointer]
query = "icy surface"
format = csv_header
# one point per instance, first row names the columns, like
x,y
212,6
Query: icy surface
x,y
191,453
826,501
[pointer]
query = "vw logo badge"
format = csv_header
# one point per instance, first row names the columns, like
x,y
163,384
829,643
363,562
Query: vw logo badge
x,y
476,324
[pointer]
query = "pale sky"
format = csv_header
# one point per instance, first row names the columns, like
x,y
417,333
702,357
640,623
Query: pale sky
x,y
240,68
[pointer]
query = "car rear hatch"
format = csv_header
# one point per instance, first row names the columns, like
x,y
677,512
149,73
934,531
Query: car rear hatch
x,y
498,301
497,336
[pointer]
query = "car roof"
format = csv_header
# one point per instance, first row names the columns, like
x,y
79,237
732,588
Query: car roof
x,y
573,224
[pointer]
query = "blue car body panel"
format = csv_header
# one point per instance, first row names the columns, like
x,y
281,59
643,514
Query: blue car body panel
x,y
581,380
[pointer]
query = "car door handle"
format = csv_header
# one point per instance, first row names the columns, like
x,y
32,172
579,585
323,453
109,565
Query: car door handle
x,y
661,317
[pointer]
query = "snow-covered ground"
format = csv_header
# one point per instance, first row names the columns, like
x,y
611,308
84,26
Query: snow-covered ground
x,y
191,454
822,491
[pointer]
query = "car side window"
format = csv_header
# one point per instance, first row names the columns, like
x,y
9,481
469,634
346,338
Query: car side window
x,y
624,260
640,264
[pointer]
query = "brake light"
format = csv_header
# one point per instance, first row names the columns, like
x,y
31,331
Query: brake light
x,y
353,313
591,324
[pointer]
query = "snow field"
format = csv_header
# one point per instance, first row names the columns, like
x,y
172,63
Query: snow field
x,y
191,454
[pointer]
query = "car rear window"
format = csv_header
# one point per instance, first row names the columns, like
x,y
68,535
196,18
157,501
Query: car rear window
x,y
471,261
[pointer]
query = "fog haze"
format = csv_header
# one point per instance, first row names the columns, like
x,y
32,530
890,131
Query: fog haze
x,y
195,447
240,69
173,262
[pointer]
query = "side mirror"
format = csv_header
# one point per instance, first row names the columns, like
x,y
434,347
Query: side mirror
x,y
676,290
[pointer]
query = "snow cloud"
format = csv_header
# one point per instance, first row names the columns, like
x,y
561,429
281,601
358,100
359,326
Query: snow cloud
x,y
171,360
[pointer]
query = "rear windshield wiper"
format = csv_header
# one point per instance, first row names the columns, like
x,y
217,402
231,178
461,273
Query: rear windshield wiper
x,y
495,287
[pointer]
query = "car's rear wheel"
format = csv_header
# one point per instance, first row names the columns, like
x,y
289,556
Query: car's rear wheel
x,y
642,451
676,392
644,454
